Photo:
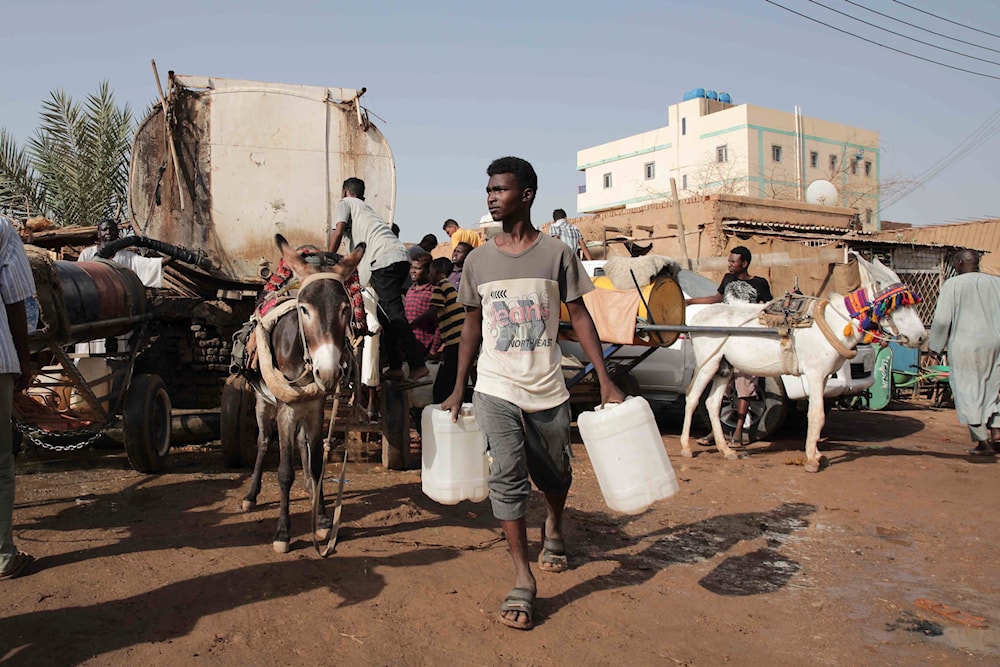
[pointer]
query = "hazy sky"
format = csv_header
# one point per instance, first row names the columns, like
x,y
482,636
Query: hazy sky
x,y
461,83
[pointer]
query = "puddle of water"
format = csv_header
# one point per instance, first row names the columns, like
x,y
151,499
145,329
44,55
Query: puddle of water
x,y
977,640
761,571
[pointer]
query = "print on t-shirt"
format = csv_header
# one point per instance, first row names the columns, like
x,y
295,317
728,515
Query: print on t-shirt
x,y
518,323
740,291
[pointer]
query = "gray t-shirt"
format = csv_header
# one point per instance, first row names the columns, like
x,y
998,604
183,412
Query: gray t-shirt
x,y
365,226
520,295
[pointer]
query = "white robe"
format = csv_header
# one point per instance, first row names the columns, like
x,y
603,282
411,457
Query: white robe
x,y
967,324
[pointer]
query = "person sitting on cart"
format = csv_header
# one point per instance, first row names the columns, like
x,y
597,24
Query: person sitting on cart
x,y
417,302
458,256
450,315
512,288
148,269
738,286
386,266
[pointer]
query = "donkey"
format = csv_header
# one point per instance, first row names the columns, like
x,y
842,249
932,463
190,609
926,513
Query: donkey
x,y
814,352
308,345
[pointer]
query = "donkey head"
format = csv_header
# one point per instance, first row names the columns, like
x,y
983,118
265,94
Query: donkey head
x,y
902,320
324,311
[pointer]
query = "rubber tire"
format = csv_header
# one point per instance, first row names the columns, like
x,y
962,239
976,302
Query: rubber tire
x,y
238,424
146,423
768,413
628,384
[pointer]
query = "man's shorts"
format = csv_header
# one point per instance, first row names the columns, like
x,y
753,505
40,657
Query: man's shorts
x,y
745,384
522,444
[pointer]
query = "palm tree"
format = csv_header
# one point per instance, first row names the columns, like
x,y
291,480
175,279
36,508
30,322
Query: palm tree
x,y
75,169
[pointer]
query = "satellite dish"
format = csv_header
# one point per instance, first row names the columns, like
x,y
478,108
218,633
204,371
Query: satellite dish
x,y
822,192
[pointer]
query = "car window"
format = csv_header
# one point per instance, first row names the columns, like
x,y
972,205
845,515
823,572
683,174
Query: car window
x,y
695,284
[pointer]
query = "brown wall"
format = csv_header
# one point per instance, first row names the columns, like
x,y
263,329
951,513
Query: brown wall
x,y
779,260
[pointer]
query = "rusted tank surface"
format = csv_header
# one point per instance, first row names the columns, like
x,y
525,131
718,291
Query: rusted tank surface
x,y
252,159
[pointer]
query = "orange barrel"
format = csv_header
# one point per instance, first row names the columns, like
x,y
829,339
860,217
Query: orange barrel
x,y
100,291
666,307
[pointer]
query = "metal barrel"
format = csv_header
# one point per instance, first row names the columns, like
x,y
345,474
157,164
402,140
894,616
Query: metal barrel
x,y
103,294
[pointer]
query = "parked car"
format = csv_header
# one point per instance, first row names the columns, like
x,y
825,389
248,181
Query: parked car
x,y
664,376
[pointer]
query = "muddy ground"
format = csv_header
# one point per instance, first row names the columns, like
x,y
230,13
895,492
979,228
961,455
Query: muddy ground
x,y
753,562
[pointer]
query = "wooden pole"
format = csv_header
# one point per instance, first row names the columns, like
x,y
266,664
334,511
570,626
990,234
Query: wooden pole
x,y
681,240
170,136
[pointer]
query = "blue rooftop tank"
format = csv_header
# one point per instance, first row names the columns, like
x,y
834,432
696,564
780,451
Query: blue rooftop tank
x,y
712,95
724,97
693,94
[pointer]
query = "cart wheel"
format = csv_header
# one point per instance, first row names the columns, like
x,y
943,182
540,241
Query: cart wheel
x,y
146,423
238,428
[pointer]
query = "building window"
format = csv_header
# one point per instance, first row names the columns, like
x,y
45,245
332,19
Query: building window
x,y
813,159
776,153
607,180
684,125
650,169
684,182
833,163
722,154
868,168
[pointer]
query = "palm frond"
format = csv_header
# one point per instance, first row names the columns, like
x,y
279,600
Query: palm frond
x,y
20,189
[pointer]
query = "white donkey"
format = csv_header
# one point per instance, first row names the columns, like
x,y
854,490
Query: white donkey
x,y
883,307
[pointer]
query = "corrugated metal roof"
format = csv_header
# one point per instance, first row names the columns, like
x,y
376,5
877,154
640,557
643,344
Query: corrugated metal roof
x,y
835,234
983,235
787,226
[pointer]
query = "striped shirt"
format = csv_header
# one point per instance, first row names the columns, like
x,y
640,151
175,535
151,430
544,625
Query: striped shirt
x,y
16,284
450,313
566,232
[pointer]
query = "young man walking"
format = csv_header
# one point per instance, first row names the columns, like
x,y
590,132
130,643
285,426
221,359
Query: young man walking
x,y
511,288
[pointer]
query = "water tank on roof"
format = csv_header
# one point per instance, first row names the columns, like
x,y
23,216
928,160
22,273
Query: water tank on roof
x,y
712,95
724,97
694,93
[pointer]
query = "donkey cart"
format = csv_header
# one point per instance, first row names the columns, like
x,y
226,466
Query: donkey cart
x,y
92,324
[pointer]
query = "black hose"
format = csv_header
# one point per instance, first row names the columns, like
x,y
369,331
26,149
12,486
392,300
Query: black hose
x,y
108,250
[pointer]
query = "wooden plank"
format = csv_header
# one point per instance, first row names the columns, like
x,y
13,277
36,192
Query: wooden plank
x,y
395,427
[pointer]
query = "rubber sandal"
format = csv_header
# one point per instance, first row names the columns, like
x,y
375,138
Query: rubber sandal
x,y
744,441
552,557
707,441
521,600
18,566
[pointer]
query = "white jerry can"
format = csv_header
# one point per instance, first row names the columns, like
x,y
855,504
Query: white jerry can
x,y
453,462
627,452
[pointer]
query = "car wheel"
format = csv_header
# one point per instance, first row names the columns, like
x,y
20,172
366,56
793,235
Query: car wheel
x,y
766,415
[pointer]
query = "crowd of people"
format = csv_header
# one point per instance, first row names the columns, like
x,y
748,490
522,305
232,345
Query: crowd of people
x,y
459,308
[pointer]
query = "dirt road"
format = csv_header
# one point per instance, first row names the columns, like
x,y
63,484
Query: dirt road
x,y
754,562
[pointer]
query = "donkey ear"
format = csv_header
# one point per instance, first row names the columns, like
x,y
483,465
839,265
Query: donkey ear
x,y
350,262
292,257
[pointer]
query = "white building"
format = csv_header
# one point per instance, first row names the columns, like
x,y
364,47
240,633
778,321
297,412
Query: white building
x,y
712,145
